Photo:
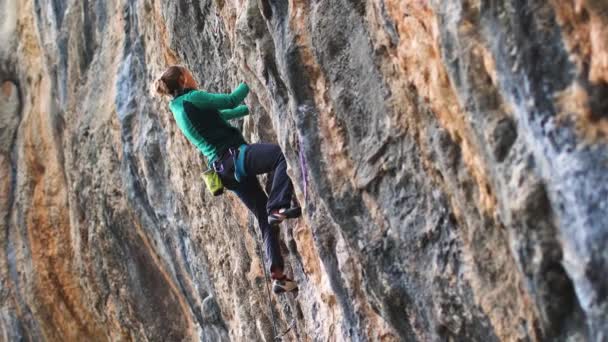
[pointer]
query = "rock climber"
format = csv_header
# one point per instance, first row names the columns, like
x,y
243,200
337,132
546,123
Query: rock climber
x,y
202,118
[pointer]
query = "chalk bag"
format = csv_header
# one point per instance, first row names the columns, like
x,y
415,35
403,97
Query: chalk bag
x,y
213,182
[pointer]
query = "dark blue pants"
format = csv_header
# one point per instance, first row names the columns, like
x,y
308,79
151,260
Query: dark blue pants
x,y
262,159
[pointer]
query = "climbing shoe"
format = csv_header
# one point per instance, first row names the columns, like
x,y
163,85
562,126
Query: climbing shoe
x,y
277,216
284,285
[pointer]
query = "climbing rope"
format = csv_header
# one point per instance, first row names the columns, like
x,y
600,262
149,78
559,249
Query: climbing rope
x,y
304,172
274,325
293,323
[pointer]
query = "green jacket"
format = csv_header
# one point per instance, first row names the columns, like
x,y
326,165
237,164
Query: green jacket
x,y
202,117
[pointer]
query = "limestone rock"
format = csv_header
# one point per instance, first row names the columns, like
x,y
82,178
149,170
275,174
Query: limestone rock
x,y
451,158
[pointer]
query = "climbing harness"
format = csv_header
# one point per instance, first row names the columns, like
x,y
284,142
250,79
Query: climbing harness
x,y
212,176
239,162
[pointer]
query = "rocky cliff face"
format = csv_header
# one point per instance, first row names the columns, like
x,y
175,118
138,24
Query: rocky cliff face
x,y
451,157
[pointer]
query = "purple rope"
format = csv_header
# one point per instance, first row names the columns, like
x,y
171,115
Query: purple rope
x,y
304,172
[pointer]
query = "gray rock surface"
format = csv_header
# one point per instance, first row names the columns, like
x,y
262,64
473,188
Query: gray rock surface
x,y
450,156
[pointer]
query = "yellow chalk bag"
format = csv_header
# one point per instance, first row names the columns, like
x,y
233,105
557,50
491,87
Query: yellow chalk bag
x,y
213,182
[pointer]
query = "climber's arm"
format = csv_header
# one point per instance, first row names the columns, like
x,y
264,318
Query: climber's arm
x,y
206,100
234,113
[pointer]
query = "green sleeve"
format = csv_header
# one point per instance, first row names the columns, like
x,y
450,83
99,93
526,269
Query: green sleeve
x,y
206,100
235,113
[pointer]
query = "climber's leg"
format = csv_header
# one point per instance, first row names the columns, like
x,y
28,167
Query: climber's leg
x,y
252,195
268,158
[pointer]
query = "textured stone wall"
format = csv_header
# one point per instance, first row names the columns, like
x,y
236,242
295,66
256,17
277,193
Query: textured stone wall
x,y
451,157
